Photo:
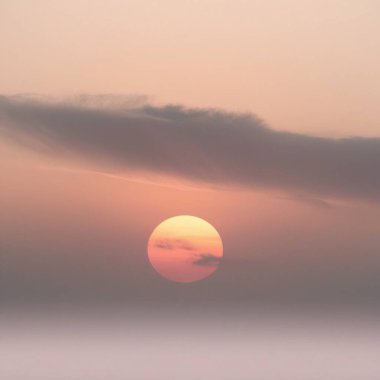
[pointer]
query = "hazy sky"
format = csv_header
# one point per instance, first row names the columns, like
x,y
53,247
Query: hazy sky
x,y
259,116
106,130
302,65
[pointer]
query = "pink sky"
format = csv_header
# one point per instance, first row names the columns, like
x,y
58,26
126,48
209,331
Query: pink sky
x,y
82,215
116,115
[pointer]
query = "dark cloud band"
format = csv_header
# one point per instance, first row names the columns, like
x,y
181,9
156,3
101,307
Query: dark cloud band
x,y
198,144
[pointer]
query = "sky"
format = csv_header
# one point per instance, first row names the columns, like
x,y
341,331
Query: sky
x,y
260,117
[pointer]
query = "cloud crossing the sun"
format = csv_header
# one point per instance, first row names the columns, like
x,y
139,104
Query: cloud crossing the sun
x,y
207,260
172,244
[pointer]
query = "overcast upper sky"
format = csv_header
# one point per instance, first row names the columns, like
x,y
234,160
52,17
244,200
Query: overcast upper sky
x,y
302,65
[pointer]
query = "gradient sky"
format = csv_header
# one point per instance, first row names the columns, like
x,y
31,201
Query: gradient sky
x,y
106,130
259,116
302,65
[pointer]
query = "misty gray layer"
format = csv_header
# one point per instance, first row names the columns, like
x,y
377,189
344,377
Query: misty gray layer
x,y
197,144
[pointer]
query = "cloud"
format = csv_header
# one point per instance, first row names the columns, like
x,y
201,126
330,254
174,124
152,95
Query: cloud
x,y
207,260
171,244
164,244
204,145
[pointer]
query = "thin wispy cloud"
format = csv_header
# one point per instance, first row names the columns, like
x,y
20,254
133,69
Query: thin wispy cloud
x,y
164,244
204,145
172,244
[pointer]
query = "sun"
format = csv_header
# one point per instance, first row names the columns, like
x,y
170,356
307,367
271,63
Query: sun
x,y
185,249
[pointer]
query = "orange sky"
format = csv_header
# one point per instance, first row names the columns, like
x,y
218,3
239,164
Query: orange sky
x,y
118,115
304,66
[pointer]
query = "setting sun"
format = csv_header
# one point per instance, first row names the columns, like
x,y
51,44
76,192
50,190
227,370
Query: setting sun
x,y
185,249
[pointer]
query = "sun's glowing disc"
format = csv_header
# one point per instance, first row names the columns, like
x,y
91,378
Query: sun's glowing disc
x,y
185,248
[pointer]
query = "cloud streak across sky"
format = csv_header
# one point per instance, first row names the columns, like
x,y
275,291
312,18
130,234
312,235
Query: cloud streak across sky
x,y
205,145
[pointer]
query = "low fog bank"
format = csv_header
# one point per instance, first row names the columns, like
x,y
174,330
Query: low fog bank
x,y
117,346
